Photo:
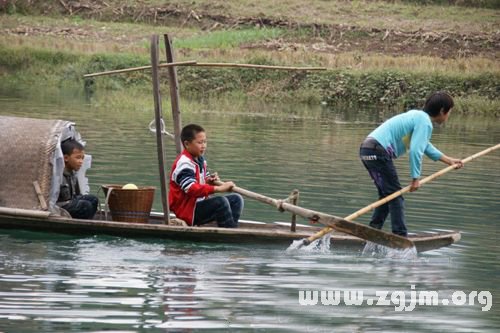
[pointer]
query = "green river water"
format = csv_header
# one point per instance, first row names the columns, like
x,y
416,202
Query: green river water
x,y
60,283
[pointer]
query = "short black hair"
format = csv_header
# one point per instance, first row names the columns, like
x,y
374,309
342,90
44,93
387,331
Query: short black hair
x,y
438,101
69,145
189,132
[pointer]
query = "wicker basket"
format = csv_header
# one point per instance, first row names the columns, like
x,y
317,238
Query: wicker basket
x,y
129,205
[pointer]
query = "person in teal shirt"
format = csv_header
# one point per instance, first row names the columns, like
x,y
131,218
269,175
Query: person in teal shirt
x,y
410,131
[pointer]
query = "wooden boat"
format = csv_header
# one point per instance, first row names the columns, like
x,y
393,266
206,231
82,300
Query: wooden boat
x,y
29,188
277,233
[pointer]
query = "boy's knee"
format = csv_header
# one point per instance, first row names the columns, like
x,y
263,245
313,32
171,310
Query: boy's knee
x,y
92,199
239,198
85,205
222,202
87,209
239,202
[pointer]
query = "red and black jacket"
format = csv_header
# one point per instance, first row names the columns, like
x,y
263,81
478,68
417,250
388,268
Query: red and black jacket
x,y
187,185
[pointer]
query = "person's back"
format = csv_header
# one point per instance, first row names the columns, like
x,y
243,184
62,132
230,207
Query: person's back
x,y
191,185
410,131
70,197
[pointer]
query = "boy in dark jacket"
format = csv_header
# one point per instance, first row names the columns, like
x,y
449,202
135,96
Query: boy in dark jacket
x,y
70,197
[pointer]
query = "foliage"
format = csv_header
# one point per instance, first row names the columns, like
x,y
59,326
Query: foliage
x,y
386,88
391,88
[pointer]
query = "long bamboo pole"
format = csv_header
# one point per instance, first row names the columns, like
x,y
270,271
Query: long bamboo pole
x,y
207,64
288,68
133,69
338,223
380,202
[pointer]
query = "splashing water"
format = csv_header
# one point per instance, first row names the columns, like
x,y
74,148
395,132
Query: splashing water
x,y
381,251
321,245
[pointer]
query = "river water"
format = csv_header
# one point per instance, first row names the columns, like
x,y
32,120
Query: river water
x,y
60,283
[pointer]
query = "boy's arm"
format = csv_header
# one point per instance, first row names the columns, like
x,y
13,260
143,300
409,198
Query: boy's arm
x,y
432,152
212,178
420,145
186,179
224,187
415,183
451,161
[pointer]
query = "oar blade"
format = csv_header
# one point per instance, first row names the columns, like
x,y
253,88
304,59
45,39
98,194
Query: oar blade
x,y
368,233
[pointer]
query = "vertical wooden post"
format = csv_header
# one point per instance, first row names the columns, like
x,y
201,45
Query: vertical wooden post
x,y
174,93
158,122
295,200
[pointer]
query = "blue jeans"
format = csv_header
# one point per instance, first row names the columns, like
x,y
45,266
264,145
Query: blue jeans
x,y
383,172
226,210
82,206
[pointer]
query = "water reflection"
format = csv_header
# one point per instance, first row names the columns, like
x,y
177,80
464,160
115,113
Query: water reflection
x,y
120,283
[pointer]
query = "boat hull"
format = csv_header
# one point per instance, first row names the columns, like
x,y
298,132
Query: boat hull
x,y
249,232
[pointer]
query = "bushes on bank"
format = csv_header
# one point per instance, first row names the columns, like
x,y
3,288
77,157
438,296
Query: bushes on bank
x,y
382,88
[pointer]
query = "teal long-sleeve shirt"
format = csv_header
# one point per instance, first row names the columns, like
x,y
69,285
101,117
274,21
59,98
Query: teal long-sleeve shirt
x,y
410,131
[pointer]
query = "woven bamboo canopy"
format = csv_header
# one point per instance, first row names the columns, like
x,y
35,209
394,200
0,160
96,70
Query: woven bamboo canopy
x,y
26,149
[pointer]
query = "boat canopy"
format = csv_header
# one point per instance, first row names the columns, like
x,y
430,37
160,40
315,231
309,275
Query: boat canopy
x,y
30,151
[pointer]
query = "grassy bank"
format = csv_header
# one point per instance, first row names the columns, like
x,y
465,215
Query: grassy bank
x,y
475,93
476,15
387,53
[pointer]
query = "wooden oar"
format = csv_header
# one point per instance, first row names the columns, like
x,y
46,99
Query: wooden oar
x,y
380,202
338,223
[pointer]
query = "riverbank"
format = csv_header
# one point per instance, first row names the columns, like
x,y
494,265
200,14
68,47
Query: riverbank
x,y
371,63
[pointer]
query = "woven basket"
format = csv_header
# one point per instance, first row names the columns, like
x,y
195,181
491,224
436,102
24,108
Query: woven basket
x,y
129,205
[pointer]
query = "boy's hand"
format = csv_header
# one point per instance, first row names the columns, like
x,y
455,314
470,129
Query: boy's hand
x,y
415,185
224,187
456,162
452,161
213,179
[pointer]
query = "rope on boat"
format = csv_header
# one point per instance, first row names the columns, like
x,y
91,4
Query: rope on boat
x,y
152,128
106,204
290,199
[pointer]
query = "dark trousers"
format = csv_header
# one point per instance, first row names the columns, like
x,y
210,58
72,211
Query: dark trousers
x,y
82,206
226,210
383,172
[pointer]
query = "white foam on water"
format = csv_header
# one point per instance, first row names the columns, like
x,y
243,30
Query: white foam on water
x,y
321,245
381,251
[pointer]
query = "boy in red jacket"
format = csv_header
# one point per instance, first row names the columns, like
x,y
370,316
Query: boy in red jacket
x,y
191,185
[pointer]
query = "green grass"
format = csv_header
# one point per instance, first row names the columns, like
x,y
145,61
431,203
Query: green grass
x,y
227,38
94,37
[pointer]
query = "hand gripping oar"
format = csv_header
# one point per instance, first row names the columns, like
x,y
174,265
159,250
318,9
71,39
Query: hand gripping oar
x,y
338,223
380,202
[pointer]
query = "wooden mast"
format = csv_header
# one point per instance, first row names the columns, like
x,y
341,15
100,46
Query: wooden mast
x,y
174,93
158,123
